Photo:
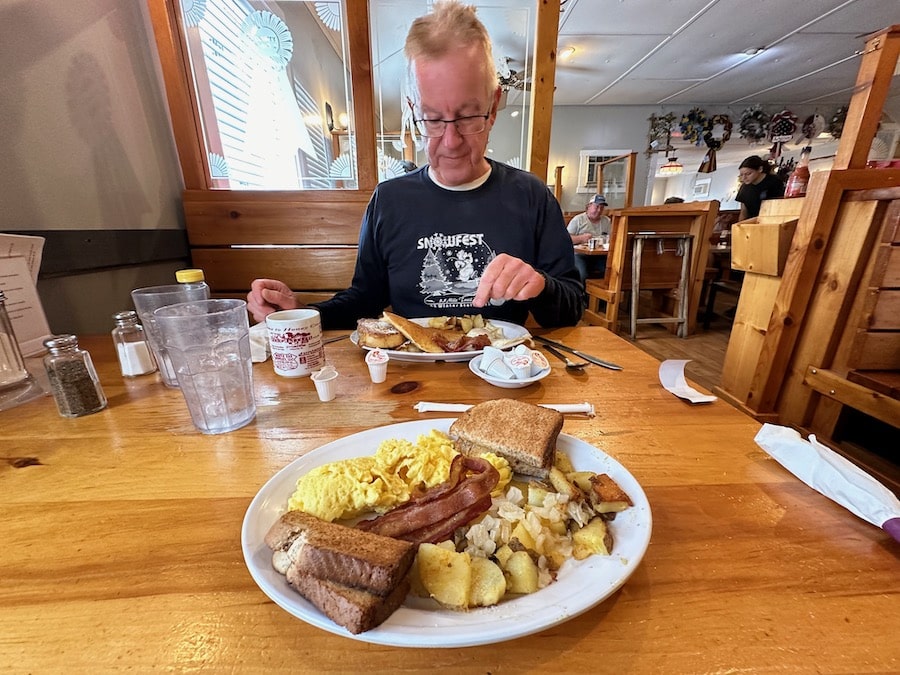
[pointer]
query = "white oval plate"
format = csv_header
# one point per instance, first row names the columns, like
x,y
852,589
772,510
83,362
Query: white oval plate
x,y
511,331
475,367
423,623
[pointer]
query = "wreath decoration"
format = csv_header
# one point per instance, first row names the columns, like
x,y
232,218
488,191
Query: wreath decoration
x,y
709,138
836,125
754,124
692,125
782,126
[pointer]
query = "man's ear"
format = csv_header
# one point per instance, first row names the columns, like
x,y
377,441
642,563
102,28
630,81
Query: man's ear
x,y
497,94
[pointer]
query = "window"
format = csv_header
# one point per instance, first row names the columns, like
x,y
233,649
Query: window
x,y
262,101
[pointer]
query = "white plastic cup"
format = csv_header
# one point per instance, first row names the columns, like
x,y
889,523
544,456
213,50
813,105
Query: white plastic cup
x,y
208,342
325,381
377,361
295,340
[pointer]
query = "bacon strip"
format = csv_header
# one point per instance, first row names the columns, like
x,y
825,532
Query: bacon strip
x,y
435,514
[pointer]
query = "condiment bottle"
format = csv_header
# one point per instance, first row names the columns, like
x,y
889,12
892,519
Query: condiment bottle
x,y
799,179
12,366
73,380
135,357
192,278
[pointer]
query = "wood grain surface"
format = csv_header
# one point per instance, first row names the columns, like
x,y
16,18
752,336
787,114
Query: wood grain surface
x,y
122,534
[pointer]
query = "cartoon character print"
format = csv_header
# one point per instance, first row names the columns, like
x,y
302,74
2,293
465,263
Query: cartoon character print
x,y
452,266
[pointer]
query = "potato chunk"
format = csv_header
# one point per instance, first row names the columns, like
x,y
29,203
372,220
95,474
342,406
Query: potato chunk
x,y
594,537
488,583
521,573
445,574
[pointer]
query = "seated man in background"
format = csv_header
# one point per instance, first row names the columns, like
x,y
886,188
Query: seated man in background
x,y
462,233
584,227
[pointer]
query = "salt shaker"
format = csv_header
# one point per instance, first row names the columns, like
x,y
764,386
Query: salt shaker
x,y
12,366
73,380
131,345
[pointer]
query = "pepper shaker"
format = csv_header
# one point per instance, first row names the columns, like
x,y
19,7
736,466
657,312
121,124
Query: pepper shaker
x,y
73,380
131,345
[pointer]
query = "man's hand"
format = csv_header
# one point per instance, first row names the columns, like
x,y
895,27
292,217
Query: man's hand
x,y
508,278
267,296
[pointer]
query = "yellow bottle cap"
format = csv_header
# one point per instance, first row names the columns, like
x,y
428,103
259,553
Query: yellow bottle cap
x,y
189,276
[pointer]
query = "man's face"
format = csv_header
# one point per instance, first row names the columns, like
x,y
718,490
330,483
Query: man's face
x,y
594,211
450,87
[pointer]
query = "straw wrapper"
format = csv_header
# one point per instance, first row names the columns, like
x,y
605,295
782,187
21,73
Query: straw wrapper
x,y
564,408
835,477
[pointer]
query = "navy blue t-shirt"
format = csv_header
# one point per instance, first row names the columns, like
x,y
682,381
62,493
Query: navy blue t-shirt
x,y
423,249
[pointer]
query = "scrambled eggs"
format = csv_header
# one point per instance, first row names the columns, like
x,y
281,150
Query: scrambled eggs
x,y
352,487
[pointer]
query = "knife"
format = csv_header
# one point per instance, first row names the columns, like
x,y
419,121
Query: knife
x,y
581,355
335,338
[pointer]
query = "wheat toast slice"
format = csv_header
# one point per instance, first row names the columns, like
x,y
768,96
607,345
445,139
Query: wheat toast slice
x,y
354,609
420,336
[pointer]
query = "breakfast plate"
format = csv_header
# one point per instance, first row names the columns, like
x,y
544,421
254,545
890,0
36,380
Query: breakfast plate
x,y
421,622
511,331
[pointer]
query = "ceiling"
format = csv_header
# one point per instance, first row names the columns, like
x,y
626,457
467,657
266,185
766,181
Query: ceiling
x,y
678,53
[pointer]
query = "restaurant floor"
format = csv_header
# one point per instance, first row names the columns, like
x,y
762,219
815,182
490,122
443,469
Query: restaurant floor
x,y
705,348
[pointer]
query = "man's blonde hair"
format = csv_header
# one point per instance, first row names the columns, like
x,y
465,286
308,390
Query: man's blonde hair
x,y
449,27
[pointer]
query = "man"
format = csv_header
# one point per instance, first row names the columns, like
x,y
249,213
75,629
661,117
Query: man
x,y
461,234
585,226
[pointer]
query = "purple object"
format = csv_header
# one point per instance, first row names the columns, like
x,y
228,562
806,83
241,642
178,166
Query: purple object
x,y
892,527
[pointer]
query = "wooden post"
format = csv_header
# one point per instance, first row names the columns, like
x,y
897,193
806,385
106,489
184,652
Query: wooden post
x,y
876,71
543,82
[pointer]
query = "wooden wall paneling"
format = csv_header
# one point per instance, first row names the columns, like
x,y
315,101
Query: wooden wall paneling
x,y
543,82
224,218
304,269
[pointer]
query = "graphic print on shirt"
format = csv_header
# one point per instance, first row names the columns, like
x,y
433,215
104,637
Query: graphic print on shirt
x,y
452,265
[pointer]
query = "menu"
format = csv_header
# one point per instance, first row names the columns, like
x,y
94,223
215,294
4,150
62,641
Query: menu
x,y
20,261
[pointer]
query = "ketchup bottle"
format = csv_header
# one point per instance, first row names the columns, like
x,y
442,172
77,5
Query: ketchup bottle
x,y
799,179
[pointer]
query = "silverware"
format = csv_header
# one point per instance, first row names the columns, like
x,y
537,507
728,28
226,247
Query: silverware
x,y
336,338
581,355
570,364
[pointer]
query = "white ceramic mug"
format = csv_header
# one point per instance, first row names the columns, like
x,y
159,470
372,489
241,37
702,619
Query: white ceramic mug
x,y
295,339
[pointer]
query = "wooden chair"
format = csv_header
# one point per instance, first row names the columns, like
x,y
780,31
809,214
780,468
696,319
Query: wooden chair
x,y
661,274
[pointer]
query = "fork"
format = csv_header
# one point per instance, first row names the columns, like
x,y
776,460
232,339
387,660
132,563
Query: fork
x,y
570,364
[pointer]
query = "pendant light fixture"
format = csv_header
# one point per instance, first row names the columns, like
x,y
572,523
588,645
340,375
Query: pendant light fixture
x,y
671,167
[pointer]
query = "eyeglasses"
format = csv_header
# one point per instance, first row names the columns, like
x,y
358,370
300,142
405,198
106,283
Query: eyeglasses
x,y
465,126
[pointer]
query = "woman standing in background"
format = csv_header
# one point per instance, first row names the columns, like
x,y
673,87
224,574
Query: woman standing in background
x,y
757,184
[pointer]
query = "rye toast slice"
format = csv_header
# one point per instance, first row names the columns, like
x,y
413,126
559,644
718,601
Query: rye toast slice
x,y
354,609
342,554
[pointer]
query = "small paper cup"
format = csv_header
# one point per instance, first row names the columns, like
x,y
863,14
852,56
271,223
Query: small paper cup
x,y
377,361
325,381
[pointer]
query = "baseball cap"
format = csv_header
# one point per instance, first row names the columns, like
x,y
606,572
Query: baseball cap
x,y
598,199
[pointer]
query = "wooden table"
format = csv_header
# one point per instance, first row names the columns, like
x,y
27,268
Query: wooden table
x,y
122,535
584,249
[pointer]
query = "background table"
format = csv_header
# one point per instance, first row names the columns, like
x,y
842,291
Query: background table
x,y
122,534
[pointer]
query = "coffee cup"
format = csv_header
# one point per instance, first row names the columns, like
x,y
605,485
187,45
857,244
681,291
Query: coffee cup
x,y
295,340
